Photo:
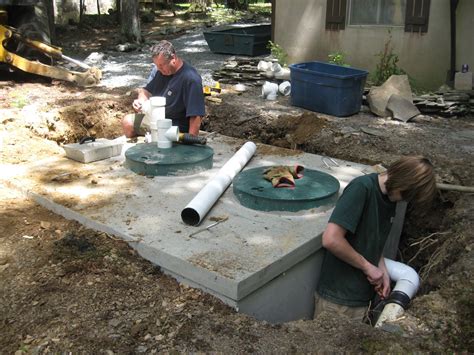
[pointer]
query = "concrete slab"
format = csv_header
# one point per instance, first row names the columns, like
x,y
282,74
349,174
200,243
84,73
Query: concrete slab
x,y
235,260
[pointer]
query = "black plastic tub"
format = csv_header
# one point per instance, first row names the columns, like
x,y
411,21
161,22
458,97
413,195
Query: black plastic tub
x,y
250,41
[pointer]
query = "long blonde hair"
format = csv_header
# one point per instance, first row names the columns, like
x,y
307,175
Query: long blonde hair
x,y
414,178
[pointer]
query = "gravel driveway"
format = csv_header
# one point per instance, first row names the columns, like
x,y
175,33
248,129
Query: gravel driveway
x,y
131,69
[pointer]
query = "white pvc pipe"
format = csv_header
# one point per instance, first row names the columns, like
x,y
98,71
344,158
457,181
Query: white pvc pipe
x,y
200,205
391,312
264,65
406,278
154,132
163,126
154,109
407,282
269,90
283,74
172,133
285,88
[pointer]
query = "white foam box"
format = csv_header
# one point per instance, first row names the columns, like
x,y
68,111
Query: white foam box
x,y
88,152
463,81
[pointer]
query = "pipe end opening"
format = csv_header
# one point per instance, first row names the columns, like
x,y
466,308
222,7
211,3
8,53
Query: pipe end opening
x,y
190,216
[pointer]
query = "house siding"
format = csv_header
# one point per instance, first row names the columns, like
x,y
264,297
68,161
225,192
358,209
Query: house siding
x,y
301,30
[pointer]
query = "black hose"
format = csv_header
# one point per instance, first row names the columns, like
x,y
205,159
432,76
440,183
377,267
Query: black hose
x,y
190,139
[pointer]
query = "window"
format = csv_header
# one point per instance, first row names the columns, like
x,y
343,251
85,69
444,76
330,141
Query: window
x,y
377,12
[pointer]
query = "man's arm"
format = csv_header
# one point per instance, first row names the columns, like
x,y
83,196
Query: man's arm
x,y
334,240
143,95
194,125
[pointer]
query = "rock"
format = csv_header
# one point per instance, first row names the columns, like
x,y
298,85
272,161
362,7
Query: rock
x,y
126,47
115,322
95,59
401,108
141,349
379,95
45,225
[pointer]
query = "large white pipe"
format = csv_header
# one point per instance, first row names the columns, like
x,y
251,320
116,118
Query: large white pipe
x,y
195,211
406,278
407,283
154,110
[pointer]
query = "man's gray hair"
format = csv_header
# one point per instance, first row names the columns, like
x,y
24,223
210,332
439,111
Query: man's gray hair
x,y
165,48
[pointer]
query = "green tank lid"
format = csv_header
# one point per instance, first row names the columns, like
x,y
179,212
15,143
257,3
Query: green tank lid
x,y
314,189
147,159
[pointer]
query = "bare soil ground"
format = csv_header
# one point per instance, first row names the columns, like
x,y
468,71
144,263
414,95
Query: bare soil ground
x,y
67,288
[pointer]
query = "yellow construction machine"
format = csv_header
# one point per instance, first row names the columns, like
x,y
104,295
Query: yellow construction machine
x,y
25,37
91,75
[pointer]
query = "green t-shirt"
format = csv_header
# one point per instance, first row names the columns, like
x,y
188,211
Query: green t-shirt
x,y
367,215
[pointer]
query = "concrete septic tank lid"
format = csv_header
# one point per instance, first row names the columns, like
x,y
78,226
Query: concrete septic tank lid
x,y
314,189
147,159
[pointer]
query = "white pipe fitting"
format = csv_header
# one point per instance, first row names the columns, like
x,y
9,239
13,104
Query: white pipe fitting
x,y
283,74
264,65
406,278
154,132
172,134
269,90
285,88
163,126
407,282
276,67
154,109
200,205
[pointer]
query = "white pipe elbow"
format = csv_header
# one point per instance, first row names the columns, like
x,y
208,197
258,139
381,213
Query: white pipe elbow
x,y
405,277
269,90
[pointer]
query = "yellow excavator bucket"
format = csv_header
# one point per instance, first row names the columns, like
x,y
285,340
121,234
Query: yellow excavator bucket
x,y
90,77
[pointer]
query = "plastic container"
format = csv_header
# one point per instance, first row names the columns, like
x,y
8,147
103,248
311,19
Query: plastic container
x,y
249,40
327,88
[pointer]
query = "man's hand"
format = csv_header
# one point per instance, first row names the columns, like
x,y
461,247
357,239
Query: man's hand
x,y
137,105
374,275
383,290
143,95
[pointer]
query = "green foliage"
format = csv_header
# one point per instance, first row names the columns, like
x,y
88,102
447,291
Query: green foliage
x,y
338,59
278,52
388,63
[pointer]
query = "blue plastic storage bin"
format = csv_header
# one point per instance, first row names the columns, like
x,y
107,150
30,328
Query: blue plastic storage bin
x,y
327,88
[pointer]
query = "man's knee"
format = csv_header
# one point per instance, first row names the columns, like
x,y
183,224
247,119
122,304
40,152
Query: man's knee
x,y
131,124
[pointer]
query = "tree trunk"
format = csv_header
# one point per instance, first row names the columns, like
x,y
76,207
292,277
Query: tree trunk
x,y
130,21
98,10
238,4
81,11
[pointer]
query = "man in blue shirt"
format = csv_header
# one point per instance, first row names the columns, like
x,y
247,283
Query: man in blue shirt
x,y
179,83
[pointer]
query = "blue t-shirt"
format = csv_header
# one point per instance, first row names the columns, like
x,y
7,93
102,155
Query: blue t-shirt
x,y
183,92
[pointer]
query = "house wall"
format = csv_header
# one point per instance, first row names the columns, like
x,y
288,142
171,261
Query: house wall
x,y
300,30
465,34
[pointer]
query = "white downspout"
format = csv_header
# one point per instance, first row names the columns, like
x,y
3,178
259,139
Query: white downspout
x,y
195,211
407,283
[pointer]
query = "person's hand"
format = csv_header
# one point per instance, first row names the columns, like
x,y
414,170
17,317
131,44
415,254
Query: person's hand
x,y
383,290
374,275
137,105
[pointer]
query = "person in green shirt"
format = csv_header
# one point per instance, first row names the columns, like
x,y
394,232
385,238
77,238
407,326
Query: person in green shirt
x,y
353,269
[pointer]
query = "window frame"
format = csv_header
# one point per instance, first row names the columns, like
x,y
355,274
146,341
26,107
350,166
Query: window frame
x,y
349,18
